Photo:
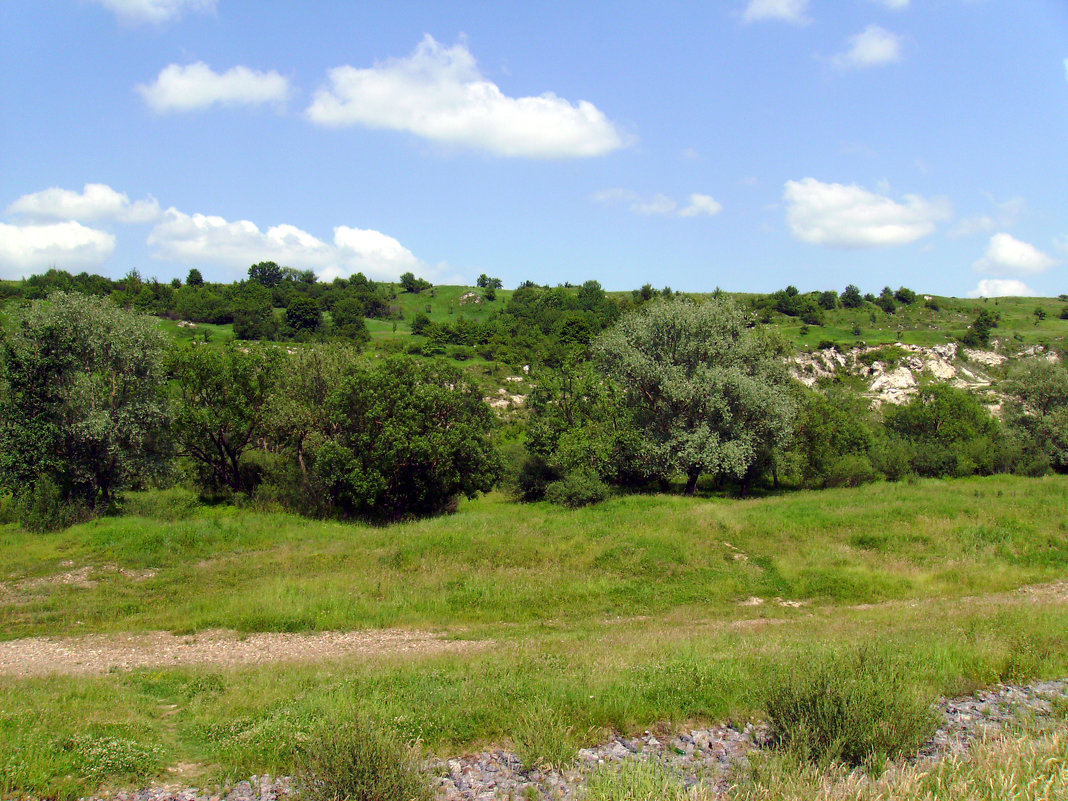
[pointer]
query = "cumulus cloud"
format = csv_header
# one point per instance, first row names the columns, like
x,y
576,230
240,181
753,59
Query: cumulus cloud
x,y
94,202
1007,255
873,47
1005,215
701,204
154,11
26,249
438,93
197,86
1001,288
660,204
782,10
850,216
200,238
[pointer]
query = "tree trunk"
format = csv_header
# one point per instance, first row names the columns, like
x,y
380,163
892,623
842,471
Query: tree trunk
x,y
691,481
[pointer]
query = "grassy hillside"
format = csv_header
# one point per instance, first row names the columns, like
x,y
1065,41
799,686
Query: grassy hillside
x,y
917,324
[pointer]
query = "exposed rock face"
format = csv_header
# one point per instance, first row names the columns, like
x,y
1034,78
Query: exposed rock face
x,y
897,381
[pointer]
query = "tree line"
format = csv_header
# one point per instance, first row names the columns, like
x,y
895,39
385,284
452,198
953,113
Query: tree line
x,y
96,400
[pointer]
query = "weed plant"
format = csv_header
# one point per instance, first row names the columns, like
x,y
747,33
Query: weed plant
x,y
545,738
861,707
360,760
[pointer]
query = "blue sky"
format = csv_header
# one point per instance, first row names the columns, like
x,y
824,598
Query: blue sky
x,y
745,144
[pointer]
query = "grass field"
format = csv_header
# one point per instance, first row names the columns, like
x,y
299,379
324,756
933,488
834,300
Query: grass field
x,y
613,618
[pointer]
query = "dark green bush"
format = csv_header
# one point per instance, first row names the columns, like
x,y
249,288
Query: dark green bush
x,y
859,707
41,507
850,470
533,477
578,488
360,760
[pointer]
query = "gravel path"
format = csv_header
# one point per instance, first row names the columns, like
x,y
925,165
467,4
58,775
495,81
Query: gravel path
x,y
100,653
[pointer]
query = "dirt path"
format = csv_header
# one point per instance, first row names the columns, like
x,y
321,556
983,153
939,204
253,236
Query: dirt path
x,y
100,653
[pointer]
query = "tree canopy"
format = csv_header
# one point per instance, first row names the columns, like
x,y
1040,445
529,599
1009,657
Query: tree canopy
x,y
710,391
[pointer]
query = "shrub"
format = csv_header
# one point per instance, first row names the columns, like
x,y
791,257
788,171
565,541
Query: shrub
x,y
850,470
41,507
360,761
858,708
579,488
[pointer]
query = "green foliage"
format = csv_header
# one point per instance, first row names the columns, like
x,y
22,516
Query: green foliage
x,y
889,355
220,408
978,333
1039,414
834,439
81,400
41,507
409,283
194,278
859,707
360,760
265,273
851,297
950,431
303,314
577,488
348,320
885,301
388,440
709,393
534,476
905,295
253,312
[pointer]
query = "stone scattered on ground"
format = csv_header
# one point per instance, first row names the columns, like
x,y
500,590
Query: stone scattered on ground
x,y
707,757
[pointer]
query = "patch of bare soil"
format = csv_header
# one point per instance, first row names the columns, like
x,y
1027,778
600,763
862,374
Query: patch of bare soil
x,y
100,653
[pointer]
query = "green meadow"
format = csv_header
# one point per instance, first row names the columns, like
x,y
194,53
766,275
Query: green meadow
x,y
636,612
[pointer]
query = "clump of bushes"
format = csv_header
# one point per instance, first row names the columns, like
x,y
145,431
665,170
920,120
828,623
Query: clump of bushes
x,y
859,708
360,761
578,488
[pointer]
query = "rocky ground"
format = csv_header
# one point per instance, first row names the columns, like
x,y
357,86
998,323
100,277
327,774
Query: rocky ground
x,y
704,756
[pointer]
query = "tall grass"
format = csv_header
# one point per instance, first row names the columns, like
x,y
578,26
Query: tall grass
x,y
861,706
360,760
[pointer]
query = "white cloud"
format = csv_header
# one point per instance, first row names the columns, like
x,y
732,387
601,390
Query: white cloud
x,y
155,11
197,86
659,204
199,238
701,204
1006,215
873,47
850,216
94,202
26,249
893,5
783,10
1001,288
1007,255
438,93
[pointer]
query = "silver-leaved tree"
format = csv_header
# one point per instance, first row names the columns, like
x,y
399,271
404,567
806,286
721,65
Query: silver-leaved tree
x,y
708,388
